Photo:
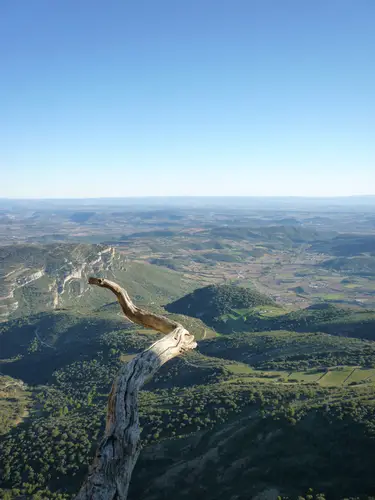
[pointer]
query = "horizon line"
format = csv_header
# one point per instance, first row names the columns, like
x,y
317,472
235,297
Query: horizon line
x,y
3,198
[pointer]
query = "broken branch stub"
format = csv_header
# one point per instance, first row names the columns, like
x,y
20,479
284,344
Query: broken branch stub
x,y
117,454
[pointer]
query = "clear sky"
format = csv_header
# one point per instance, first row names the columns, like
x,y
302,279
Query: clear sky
x,y
187,97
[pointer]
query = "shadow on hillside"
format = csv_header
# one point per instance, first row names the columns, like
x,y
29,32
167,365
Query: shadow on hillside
x,y
53,329
48,341
344,326
329,454
37,368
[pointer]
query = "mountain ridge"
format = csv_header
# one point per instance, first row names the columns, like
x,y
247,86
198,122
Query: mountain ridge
x,y
57,268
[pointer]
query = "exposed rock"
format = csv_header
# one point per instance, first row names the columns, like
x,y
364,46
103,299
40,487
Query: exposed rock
x,y
64,269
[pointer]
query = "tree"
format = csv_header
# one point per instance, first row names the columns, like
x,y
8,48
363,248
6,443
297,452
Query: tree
x,y
117,454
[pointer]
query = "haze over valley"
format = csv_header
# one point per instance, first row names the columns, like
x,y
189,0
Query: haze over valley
x,y
280,295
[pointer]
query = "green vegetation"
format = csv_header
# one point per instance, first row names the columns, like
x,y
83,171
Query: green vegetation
x,y
214,301
284,234
321,440
195,397
360,265
347,245
174,264
291,351
325,377
14,400
44,275
251,311
279,396
335,377
222,257
82,216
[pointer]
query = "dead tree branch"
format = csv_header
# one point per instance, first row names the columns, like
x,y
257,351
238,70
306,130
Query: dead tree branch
x,y
117,454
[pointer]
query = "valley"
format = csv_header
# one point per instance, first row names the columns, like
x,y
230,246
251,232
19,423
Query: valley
x,y
277,401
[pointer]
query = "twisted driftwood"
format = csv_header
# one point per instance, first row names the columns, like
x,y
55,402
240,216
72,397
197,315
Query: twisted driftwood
x,y
111,471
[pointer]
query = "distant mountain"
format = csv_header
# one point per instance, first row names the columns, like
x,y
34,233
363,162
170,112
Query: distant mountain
x,y
205,201
285,234
347,245
212,302
361,265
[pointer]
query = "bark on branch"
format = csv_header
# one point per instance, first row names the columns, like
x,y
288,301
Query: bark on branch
x,y
117,454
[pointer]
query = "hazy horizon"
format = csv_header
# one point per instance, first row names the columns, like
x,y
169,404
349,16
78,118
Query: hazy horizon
x,y
195,202
84,198
189,99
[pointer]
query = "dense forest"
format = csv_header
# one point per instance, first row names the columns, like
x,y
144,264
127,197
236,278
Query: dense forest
x,y
46,456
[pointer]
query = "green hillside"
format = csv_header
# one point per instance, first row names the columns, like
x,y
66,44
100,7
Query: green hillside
x,y
287,350
14,401
280,235
37,278
205,409
229,309
347,245
359,265
213,301
264,451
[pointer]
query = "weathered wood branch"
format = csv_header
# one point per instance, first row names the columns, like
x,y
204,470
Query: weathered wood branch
x,y
117,454
134,313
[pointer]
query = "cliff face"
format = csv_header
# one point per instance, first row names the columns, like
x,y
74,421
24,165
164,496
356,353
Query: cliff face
x,y
44,277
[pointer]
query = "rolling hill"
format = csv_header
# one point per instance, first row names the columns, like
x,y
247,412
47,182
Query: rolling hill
x,y
229,308
212,302
359,265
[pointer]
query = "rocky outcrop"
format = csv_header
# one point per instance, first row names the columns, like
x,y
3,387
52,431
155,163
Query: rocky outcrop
x,y
64,270
29,278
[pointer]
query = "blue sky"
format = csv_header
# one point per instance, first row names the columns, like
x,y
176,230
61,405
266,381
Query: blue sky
x,y
198,97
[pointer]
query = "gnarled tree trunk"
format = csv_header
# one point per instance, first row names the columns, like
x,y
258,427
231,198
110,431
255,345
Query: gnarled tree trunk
x,y
117,454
